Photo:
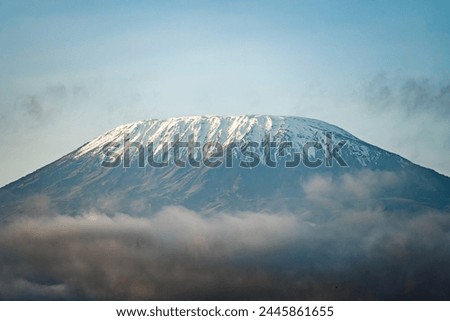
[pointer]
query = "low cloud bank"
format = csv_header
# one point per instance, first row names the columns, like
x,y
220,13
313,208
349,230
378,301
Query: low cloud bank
x,y
338,247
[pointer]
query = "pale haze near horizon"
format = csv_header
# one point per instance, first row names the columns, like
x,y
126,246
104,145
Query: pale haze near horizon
x,y
70,72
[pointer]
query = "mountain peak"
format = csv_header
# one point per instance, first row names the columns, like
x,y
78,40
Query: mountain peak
x,y
221,129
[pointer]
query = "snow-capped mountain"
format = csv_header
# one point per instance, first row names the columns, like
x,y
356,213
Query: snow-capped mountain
x,y
248,207
97,174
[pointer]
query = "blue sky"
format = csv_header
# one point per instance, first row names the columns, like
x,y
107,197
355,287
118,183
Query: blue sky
x,y
72,70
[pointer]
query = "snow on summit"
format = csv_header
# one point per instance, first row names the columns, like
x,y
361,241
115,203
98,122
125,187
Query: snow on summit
x,y
226,129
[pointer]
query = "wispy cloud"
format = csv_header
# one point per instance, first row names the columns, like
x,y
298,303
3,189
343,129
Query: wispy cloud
x,y
412,96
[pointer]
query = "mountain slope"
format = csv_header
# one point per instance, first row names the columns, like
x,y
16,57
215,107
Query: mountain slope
x,y
79,181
